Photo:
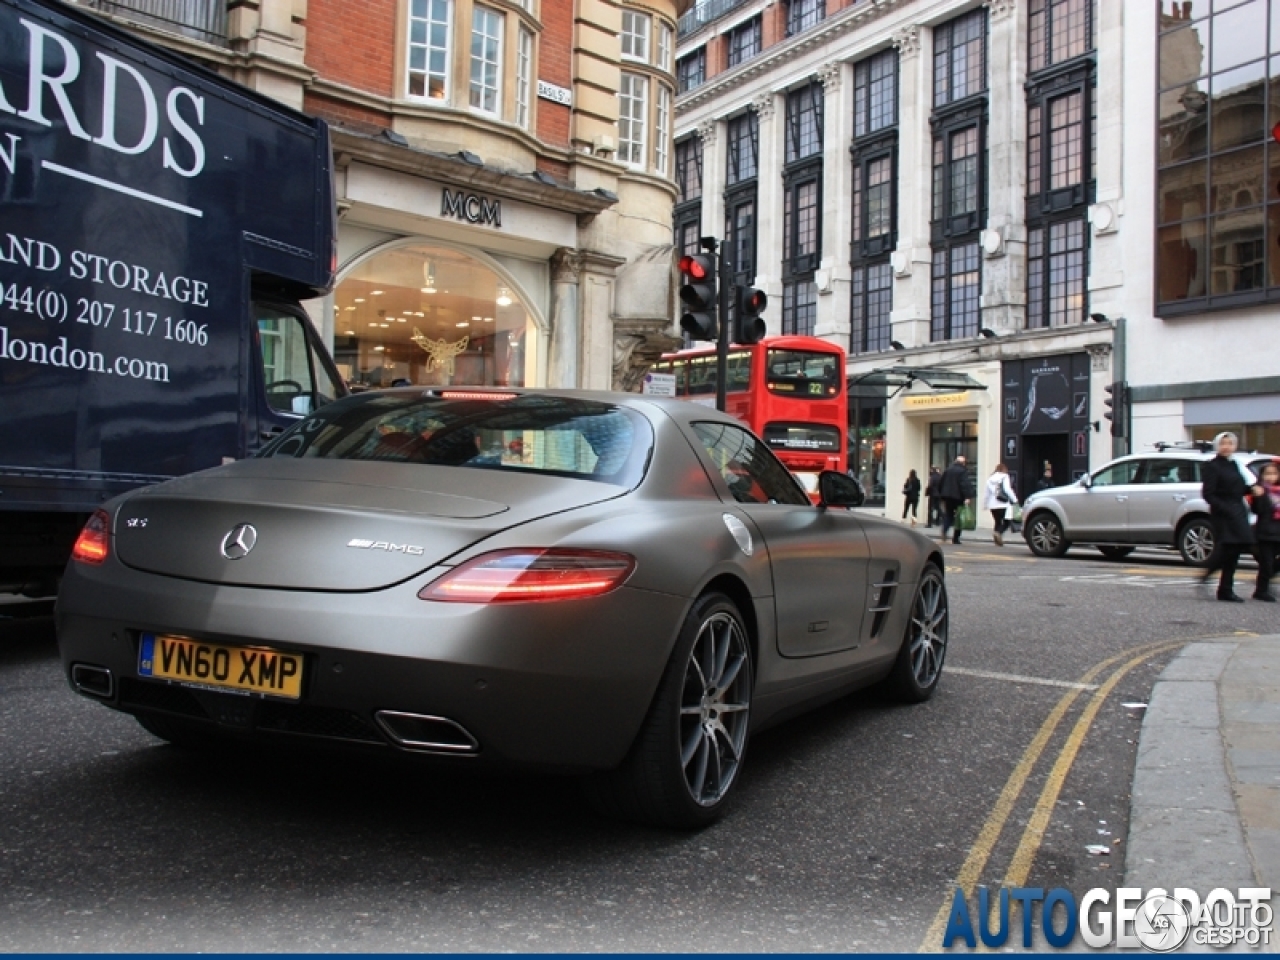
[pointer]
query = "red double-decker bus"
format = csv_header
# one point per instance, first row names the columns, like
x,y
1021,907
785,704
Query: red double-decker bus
x,y
789,390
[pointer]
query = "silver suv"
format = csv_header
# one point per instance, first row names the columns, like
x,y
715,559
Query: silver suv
x,y
1145,498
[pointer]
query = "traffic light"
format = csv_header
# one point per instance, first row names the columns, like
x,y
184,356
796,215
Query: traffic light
x,y
698,293
1117,403
748,325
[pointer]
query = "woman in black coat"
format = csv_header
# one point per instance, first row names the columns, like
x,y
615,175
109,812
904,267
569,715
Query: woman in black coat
x,y
911,497
1266,506
1224,489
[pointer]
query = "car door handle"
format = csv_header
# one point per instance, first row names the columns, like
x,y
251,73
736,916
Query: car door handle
x,y
1121,499
1179,497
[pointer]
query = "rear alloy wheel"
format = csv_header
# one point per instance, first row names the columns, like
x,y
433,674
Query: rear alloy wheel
x,y
1045,536
924,649
1115,553
687,757
1196,541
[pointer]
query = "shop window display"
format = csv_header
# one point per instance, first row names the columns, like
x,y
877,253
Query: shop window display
x,y
431,316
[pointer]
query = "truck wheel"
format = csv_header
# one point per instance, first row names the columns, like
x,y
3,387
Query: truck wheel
x,y
1045,536
1196,541
688,755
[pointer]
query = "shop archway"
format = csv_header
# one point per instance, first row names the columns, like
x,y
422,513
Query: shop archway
x,y
419,312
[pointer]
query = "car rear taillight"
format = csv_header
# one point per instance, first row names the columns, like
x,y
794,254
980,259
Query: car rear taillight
x,y
93,545
530,576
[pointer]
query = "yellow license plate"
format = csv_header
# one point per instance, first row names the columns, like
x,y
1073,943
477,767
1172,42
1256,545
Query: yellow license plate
x,y
251,669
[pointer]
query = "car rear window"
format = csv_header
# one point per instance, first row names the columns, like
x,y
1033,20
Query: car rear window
x,y
525,433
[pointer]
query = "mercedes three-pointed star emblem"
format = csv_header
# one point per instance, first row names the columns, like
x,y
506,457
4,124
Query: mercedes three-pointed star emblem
x,y
239,541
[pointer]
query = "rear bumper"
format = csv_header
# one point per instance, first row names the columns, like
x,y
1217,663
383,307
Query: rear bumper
x,y
564,685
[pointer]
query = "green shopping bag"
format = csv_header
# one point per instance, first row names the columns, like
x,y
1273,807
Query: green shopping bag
x,y
966,517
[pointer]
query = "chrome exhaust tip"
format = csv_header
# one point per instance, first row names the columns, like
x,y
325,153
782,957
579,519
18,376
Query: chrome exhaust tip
x,y
427,734
93,681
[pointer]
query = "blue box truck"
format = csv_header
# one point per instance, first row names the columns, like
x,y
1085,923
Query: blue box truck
x,y
159,226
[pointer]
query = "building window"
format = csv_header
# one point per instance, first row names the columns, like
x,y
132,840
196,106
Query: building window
x,y
744,148
960,58
1057,267
1058,31
801,223
875,93
803,14
744,41
524,76
740,234
429,24
662,130
688,209
957,282
635,35
633,112
1217,190
799,307
691,70
689,169
958,187
872,291
486,60
804,122
873,189
666,43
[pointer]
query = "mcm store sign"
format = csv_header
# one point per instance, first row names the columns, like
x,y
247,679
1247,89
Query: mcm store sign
x,y
470,207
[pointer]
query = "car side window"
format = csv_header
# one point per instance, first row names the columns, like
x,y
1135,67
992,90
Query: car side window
x,y
294,379
1172,471
1118,473
752,472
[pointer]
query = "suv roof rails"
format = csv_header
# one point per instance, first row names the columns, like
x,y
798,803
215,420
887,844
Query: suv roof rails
x,y
1202,446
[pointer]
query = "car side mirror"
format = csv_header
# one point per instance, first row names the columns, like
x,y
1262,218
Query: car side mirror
x,y
836,489
1086,481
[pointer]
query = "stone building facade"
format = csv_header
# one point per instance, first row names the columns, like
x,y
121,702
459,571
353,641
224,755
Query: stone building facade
x,y
503,174
934,185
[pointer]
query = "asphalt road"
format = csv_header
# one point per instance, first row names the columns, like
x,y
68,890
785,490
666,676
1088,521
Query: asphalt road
x,y
850,829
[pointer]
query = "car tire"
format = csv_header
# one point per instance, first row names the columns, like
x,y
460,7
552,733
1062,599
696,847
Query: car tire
x,y
1045,536
686,761
918,669
174,730
1115,553
1197,541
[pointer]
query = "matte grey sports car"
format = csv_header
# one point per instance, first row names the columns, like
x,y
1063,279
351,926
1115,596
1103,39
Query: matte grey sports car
x,y
613,584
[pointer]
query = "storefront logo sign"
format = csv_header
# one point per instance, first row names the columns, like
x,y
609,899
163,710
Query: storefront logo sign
x,y
936,400
470,207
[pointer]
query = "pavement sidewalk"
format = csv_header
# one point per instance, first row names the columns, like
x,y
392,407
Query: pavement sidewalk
x,y
1205,807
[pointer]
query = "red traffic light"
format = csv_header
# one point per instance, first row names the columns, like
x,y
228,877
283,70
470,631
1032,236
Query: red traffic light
x,y
755,302
1275,133
693,267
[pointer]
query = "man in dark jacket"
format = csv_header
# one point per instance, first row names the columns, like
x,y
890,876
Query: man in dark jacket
x,y
932,509
954,488
1046,481
1224,490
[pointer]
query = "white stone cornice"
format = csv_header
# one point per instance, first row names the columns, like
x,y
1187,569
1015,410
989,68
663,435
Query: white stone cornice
x,y
829,74
848,20
1000,8
907,41
764,104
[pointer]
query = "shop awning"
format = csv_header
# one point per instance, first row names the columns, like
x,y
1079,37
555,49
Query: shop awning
x,y
897,379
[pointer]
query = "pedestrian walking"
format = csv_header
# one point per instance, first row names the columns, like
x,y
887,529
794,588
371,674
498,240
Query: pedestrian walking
x,y
933,504
998,497
911,497
1224,489
955,489
1046,479
1266,506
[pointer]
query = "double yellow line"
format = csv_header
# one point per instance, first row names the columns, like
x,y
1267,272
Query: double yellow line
x,y
1032,835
